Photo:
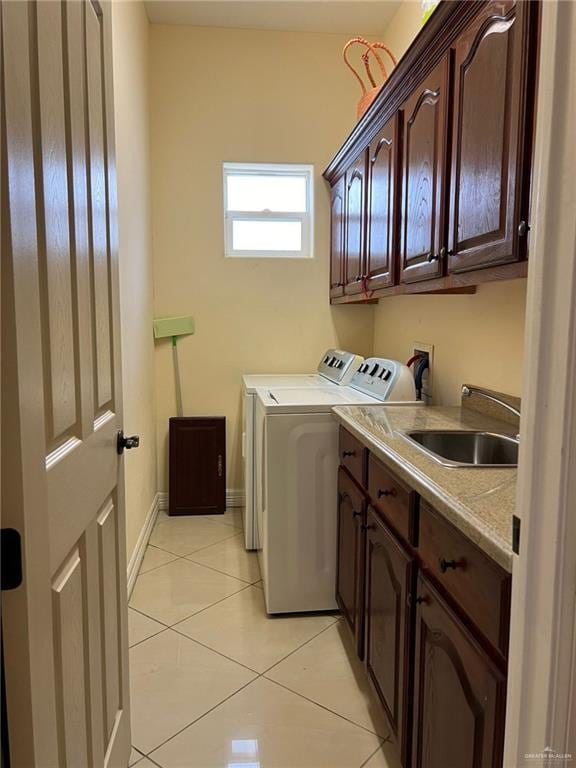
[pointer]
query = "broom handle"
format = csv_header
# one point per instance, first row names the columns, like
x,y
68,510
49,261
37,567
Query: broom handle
x,y
177,377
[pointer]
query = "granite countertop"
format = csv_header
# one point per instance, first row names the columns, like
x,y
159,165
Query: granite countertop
x,y
479,502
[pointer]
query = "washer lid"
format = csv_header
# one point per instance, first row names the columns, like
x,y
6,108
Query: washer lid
x,y
309,400
254,380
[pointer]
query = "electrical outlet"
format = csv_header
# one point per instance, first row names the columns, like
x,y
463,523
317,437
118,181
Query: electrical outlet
x,y
424,349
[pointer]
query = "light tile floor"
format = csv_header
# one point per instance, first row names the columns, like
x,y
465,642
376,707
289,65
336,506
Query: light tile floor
x,y
216,683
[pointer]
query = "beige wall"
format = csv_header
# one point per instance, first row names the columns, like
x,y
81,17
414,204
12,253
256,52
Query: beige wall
x,y
477,338
130,50
403,27
241,95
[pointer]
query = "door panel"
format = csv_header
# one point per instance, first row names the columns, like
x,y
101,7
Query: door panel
x,y
350,568
485,152
355,225
381,208
424,177
337,238
65,627
98,215
459,695
389,572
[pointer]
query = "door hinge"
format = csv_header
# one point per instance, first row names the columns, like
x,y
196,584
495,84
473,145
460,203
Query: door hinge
x,y
11,552
516,534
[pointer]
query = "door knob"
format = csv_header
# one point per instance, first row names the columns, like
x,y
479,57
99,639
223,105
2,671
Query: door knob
x,y
123,441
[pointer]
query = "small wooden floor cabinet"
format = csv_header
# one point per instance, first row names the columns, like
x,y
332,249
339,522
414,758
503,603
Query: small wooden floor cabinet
x,y
197,465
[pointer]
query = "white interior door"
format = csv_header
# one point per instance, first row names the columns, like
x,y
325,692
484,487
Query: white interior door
x,y
65,628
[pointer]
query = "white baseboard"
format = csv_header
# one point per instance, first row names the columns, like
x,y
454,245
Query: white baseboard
x,y
234,498
141,544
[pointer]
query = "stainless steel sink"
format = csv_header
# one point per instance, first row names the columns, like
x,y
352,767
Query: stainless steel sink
x,y
463,448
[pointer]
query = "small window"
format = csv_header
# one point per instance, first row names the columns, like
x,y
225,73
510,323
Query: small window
x,y
268,210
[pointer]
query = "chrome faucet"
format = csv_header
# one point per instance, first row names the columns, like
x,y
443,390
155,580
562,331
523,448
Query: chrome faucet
x,y
468,391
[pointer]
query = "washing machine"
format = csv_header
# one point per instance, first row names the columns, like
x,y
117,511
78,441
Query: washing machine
x,y
296,481
336,368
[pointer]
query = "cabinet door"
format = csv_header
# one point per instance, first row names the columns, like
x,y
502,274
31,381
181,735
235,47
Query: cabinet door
x,y
381,208
459,695
424,158
197,466
337,238
487,128
389,574
349,579
355,224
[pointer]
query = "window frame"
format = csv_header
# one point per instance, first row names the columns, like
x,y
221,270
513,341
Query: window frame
x,y
305,218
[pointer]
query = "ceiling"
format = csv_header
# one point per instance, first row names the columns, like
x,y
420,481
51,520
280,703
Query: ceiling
x,y
344,16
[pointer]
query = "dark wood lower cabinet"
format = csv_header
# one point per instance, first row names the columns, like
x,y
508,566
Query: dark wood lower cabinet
x,y
459,694
430,615
350,573
389,575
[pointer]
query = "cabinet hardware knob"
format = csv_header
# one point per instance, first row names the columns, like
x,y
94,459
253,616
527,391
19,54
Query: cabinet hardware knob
x,y
356,514
343,496
386,492
340,285
446,564
411,600
345,454
366,527
523,228
432,257
443,252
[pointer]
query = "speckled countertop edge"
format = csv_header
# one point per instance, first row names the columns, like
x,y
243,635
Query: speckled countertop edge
x,y
395,454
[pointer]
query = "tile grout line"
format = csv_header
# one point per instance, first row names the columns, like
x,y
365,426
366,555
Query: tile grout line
x,y
193,552
327,709
218,653
200,717
259,675
336,620
217,570
384,741
180,621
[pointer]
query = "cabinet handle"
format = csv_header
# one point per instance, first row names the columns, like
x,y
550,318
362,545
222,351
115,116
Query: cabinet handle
x,y
386,492
411,600
356,514
432,257
443,252
339,285
366,527
345,454
343,496
523,228
446,564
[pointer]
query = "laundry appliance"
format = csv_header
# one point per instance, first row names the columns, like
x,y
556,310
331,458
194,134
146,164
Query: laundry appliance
x,y
296,465
336,368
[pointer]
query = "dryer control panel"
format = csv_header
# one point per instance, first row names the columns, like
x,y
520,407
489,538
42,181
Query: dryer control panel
x,y
384,379
339,366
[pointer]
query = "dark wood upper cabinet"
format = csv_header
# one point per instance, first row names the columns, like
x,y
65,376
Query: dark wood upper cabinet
x,y
381,230
355,230
337,238
389,574
350,570
459,694
425,116
488,124
438,170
